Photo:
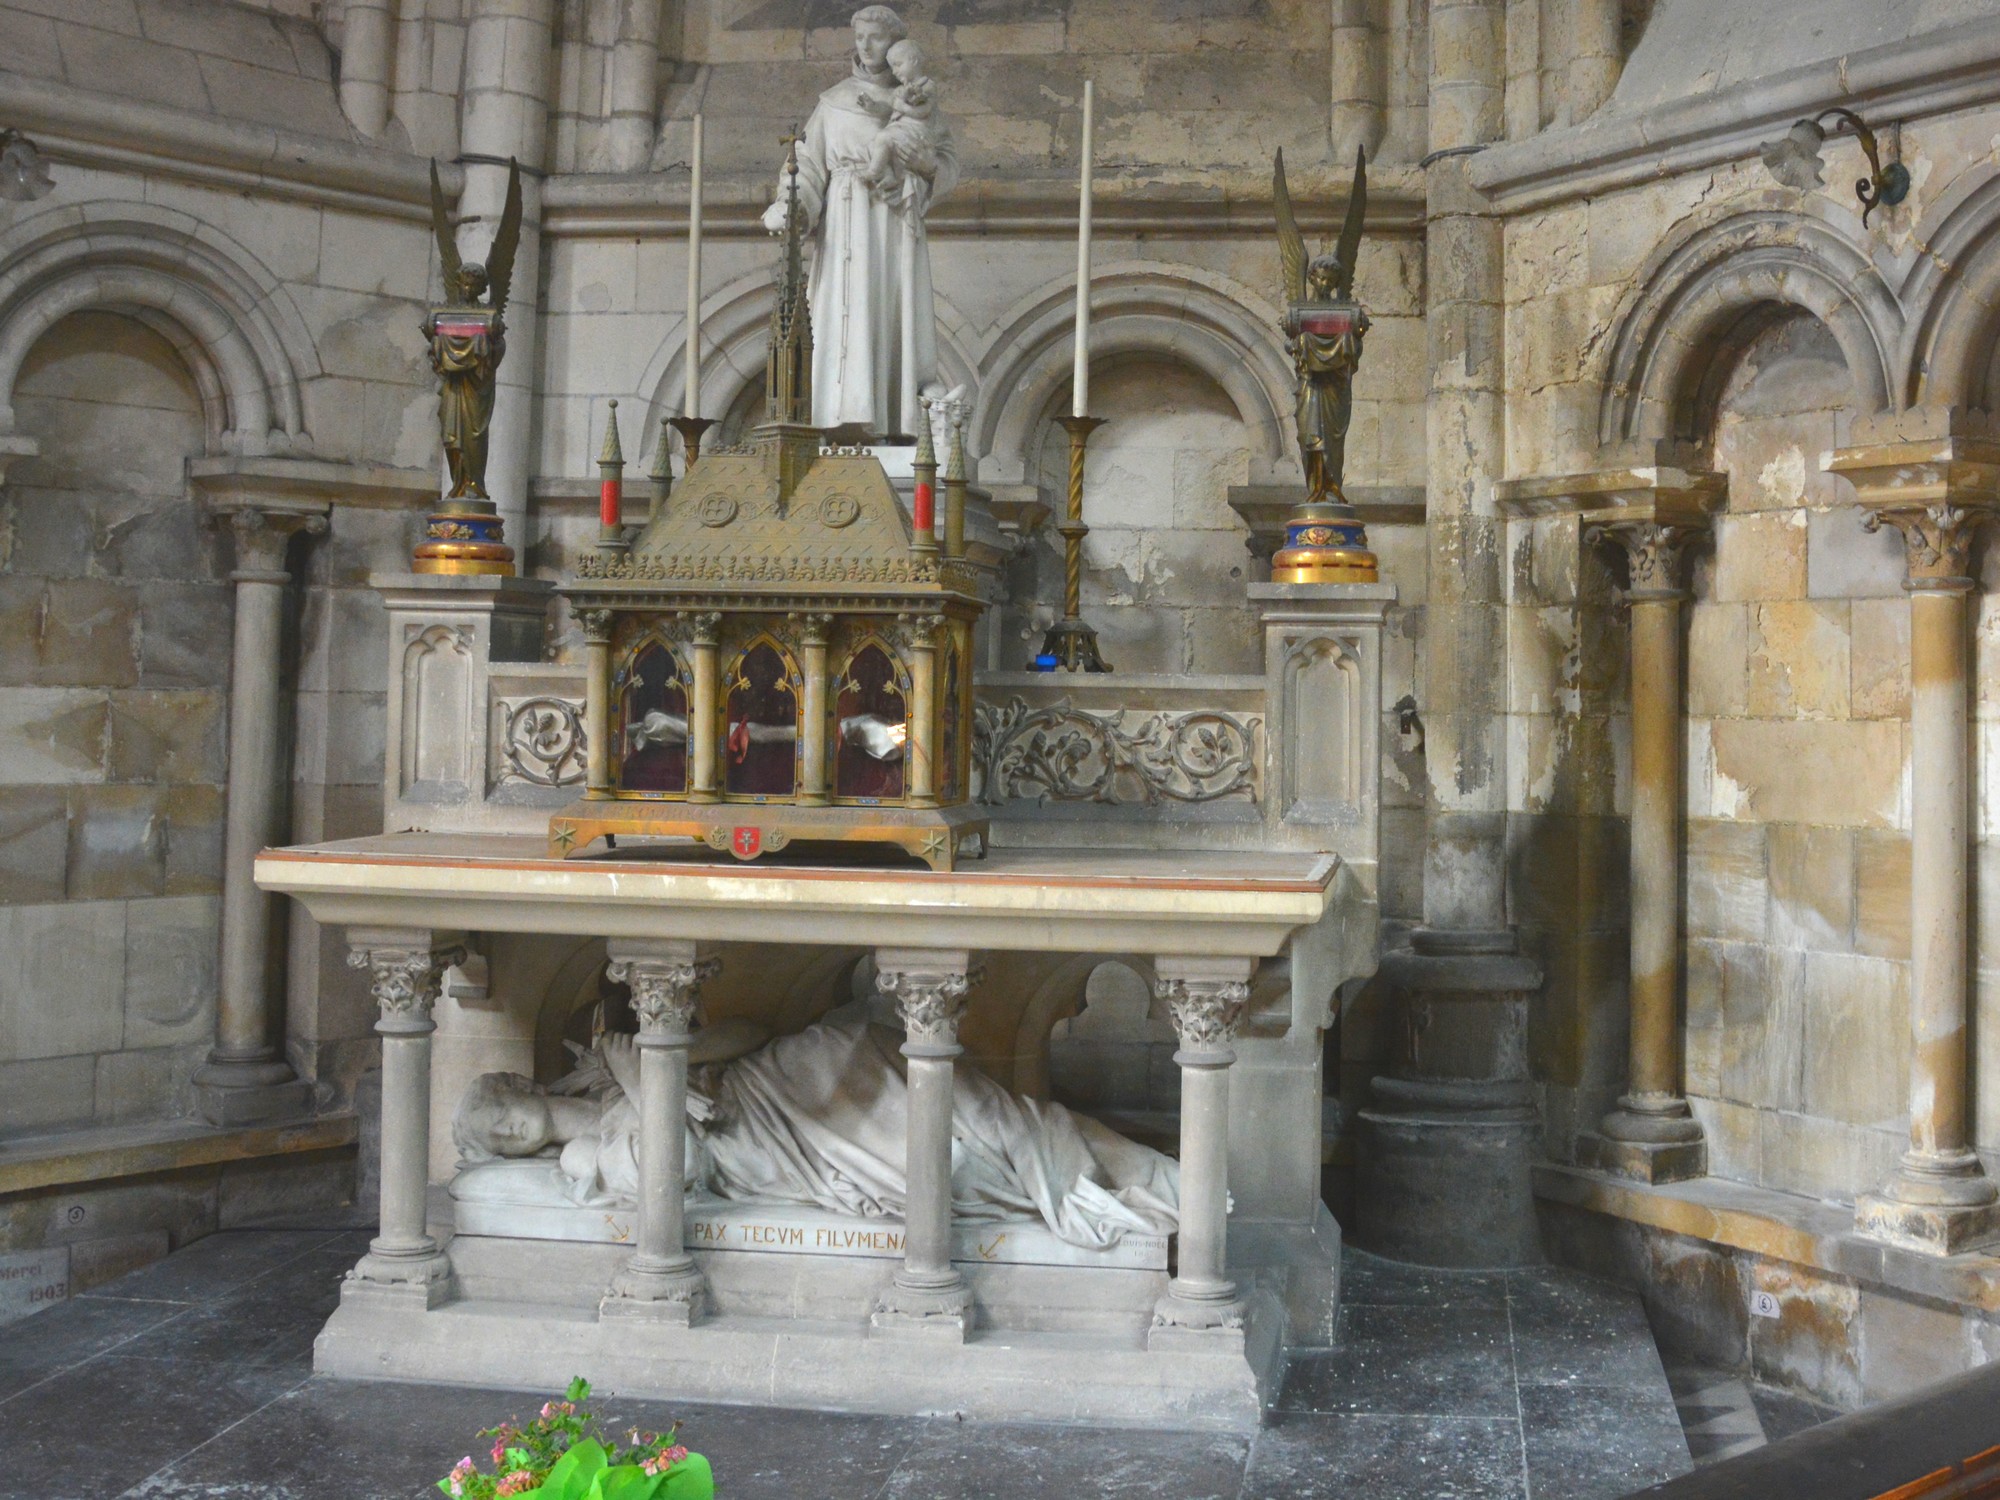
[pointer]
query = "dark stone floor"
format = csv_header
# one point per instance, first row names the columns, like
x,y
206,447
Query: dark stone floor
x,y
192,1378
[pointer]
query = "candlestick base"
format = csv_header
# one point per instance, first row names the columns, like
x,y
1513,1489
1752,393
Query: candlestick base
x,y
616,538
1324,543
691,430
463,536
1074,646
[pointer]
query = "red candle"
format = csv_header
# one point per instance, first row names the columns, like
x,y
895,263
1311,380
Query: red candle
x,y
611,502
926,510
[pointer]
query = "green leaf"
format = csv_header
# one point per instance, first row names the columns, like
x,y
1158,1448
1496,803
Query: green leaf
x,y
574,1473
579,1390
627,1482
690,1479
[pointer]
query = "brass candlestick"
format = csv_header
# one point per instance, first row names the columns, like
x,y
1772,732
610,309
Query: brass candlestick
x,y
691,430
1070,641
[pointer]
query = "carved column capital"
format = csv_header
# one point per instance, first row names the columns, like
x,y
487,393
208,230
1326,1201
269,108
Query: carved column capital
x,y
405,974
261,534
1937,541
920,632
815,629
1656,552
666,981
704,629
596,626
1205,998
929,988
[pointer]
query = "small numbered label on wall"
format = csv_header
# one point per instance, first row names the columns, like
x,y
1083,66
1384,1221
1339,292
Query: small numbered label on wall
x,y
1764,1304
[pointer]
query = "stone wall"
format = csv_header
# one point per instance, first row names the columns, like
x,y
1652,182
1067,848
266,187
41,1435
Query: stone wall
x,y
114,660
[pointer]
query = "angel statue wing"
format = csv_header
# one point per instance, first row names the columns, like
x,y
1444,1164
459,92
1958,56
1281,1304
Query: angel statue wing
x,y
1350,230
447,244
500,258
1291,245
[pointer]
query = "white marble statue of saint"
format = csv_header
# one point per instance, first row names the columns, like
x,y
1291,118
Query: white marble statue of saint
x,y
815,1120
864,199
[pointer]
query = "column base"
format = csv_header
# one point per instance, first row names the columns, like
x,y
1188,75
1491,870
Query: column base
x,y
909,1309
1199,1316
1645,1161
1934,1205
674,1293
245,1091
417,1280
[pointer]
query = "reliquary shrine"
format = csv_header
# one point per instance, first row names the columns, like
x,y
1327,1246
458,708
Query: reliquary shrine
x,y
776,659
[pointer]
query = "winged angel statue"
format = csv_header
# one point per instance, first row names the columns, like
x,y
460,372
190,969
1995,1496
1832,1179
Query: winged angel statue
x,y
469,338
1324,327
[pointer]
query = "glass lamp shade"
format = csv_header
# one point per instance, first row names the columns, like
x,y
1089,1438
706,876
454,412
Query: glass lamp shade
x,y
24,176
1795,160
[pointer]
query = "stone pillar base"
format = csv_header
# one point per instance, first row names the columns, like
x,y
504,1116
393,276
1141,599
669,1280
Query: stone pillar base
x,y
1203,1317
228,1094
1928,1228
942,1313
416,1282
1645,1161
674,1294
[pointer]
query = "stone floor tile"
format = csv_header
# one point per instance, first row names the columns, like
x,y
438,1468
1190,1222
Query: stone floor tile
x,y
216,1265
340,1440
1339,1457
1783,1414
1409,1361
1369,1279
1599,1442
1574,1329
755,1458
104,1426
1006,1462
71,1332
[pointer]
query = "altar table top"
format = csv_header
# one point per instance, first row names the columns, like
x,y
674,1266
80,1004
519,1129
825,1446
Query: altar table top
x,y
1171,903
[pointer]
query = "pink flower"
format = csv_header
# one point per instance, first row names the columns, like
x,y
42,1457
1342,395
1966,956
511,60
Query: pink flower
x,y
664,1460
515,1483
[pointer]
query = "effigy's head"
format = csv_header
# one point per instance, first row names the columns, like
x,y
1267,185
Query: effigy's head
x,y
876,29
469,284
502,1114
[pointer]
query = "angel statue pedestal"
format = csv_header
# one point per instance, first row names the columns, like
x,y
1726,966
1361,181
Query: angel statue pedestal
x,y
1324,326
464,535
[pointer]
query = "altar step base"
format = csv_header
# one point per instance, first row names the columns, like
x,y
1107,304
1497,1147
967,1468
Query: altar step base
x,y
1049,1343
1011,1375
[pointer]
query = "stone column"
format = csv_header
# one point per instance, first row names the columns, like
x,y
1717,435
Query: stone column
x,y
245,1079
405,971
1206,997
1455,1115
1652,1135
505,113
813,631
1360,78
921,746
661,1282
927,1297
634,93
704,641
596,625
1940,1201
1597,56
367,27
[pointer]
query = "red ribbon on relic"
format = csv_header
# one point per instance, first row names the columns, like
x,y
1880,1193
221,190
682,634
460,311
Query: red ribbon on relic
x,y
611,502
1327,323
926,509
460,328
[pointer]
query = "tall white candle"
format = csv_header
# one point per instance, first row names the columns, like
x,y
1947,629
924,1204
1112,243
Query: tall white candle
x,y
691,403
1080,376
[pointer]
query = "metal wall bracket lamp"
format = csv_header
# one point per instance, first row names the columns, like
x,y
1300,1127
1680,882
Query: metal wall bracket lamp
x,y
1795,160
24,175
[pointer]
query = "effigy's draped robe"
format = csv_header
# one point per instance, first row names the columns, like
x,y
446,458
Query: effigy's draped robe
x,y
465,364
874,331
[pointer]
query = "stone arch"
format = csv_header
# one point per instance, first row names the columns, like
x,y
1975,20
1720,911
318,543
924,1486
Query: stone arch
x,y
1058,995
1951,355
1217,326
1699,302
735,334
229,318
